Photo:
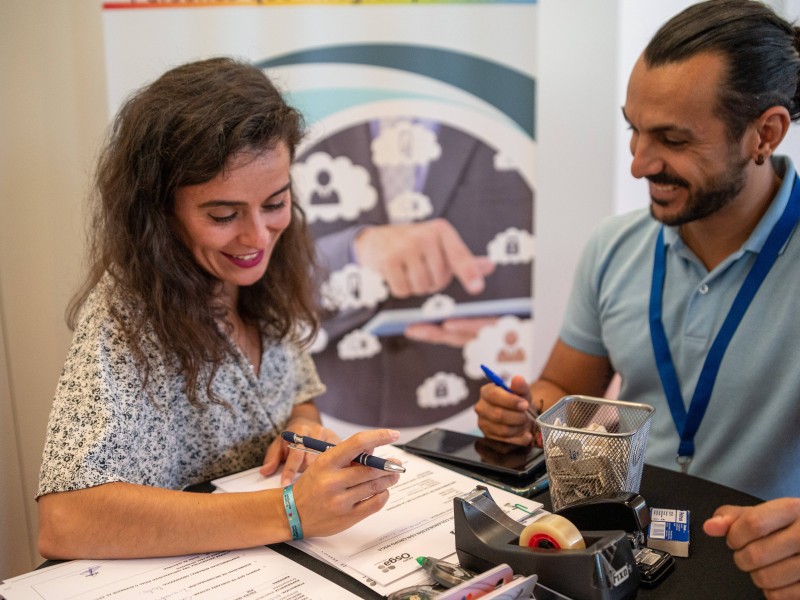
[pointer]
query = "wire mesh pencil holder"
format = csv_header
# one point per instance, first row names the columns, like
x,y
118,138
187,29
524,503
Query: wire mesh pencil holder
x,y
593,446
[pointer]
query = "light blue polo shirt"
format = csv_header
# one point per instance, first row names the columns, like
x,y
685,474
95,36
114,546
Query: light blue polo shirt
x,y
749,438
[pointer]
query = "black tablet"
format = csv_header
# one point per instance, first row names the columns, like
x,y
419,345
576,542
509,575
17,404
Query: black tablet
x,y
487,455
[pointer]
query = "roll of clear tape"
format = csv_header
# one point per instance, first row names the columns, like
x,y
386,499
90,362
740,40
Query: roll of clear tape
x,y
552,532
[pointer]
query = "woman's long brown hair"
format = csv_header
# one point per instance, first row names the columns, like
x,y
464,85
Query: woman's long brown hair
x,y
180,130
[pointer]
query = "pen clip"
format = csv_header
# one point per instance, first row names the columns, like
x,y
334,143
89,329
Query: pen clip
x,y
303,449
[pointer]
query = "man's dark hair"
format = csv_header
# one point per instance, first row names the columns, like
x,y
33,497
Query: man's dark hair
x,y
762,52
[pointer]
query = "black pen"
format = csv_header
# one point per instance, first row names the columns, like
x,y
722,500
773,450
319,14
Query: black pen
x,y
309,444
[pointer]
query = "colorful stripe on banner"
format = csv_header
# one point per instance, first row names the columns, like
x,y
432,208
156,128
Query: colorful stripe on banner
x,y
207,3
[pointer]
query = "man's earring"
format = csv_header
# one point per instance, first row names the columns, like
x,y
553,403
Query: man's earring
x,y
760,159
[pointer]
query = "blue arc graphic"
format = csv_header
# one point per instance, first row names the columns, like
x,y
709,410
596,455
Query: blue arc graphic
x,y
508,90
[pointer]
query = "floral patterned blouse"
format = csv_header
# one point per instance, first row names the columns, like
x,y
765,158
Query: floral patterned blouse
x,y
107,424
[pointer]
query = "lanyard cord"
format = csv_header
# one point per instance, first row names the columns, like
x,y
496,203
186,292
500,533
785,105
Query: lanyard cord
x,y
687,424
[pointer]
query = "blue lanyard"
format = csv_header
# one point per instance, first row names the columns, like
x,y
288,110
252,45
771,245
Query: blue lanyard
x,y
688,424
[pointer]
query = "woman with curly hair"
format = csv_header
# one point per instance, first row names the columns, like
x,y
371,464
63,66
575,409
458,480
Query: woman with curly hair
x,y
188,356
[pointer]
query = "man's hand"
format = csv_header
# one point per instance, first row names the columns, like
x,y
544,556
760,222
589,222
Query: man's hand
x,y
417,259
765,540
502,415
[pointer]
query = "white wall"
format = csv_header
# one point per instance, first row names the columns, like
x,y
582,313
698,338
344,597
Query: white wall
x,y
14,526
576,96
790,9
52,115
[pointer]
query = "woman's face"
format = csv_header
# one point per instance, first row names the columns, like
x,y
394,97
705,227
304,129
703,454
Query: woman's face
x,y
232,223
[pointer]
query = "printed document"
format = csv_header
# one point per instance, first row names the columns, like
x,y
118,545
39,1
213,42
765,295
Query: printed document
x,y
416,521
257,573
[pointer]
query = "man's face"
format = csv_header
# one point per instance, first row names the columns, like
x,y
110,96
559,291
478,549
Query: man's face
x,y
677,141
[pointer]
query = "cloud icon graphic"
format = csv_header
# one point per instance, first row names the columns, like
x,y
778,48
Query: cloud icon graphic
x,y
353,287
443,389
332,188
506,346
358,344
405,143
438,306
510,247
410,206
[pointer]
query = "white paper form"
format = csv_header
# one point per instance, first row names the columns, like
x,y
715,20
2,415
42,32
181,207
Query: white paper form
x,y
256,573
416,521
248,481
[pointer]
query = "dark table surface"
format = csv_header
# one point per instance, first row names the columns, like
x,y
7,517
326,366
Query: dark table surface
x,y
708,573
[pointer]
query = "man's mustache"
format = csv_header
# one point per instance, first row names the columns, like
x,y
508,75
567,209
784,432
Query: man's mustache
x,y
665,179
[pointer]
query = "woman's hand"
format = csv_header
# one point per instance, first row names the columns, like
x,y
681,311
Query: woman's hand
x,y
304,422
351,491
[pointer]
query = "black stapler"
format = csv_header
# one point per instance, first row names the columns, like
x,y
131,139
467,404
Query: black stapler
x,y
629,512
620,510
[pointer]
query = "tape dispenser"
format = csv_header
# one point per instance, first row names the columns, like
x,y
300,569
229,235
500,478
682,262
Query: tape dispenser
x,y
604,569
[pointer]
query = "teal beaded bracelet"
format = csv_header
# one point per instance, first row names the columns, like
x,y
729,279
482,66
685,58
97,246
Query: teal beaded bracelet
x,y
291,513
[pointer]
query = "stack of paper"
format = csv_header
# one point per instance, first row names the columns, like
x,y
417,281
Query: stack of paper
x,y
256,573
380,551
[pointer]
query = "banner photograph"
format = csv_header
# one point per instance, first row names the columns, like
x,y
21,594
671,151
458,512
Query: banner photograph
x,y
420,150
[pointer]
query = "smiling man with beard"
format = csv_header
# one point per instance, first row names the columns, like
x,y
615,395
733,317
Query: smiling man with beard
x,y
691,301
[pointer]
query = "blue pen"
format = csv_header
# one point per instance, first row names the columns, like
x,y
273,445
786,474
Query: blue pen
x,y
495,379
309,444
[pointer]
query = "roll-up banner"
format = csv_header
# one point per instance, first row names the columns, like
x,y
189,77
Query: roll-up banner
x,y
419,158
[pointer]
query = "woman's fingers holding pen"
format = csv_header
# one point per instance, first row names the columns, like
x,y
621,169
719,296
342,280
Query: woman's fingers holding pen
x,y
361,442
297,460
351,491
339,510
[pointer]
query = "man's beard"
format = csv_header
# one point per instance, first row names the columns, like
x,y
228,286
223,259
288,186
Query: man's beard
x,y
718,192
